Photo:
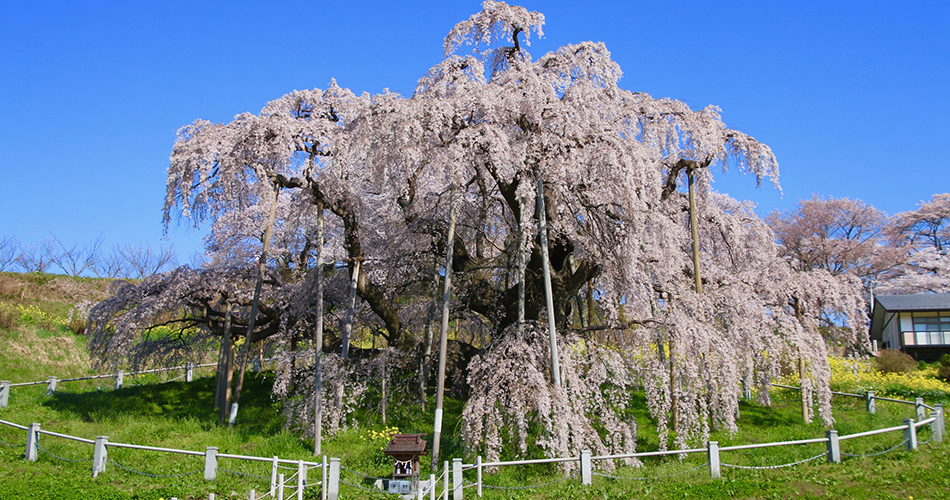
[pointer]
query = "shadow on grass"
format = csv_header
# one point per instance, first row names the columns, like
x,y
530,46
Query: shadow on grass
x,y
177,400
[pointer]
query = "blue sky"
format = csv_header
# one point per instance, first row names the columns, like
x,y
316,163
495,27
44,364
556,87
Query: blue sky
x,y
852,96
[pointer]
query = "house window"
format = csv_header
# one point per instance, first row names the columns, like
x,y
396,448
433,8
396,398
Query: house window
x,y
930,329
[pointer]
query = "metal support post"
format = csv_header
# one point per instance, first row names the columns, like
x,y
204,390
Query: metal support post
x,y
714,468
834,447
100,455
910,435
872,409
333,488
211,463
32,442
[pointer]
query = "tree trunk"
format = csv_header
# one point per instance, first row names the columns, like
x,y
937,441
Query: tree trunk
x,y
227,347
427,350
694,228
521,265
444,331
318,341
548,294
255,303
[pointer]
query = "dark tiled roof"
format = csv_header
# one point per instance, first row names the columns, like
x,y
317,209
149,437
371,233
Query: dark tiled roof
x,y
919,302
884,304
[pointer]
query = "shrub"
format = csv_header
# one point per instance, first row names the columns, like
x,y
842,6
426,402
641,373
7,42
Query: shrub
x,y
943,371
8,317
894,361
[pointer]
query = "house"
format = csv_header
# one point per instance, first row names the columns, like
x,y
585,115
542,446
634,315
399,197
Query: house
x,y
916,324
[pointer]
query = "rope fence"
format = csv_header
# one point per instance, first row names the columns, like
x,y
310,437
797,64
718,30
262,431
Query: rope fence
x,y
452,479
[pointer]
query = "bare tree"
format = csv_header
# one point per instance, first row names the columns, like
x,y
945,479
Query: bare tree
x,y
146,261
8,252
111,265
38,258
76,260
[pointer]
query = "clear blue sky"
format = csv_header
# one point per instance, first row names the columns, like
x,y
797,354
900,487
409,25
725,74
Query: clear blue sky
x,y
852,96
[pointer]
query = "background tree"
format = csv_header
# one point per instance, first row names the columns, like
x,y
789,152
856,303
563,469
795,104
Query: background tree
x,y
38,258
9,246
839,235
76,259
923,235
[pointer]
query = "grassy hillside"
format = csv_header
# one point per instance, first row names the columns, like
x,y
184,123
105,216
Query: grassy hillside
x,y
151,410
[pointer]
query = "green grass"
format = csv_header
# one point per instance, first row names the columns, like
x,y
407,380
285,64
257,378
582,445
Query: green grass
x,y
179,415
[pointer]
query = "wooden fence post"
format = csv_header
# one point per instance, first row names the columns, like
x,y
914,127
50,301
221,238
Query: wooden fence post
x,y
586,477
273,478
211,463
910,435
478,475
100,455
457,479
834,447
333,488
4,393
869,397
301,478
51,385
323,485
32,441
713,450
938,426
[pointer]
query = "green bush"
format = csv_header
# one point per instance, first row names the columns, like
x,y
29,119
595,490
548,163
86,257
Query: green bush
x,y
943,371
894,361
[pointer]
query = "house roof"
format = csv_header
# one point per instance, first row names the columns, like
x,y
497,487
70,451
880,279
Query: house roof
x,y
884,304
919,302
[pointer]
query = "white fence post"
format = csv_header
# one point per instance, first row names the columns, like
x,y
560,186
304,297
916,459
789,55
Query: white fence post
x,y
323,485
51,385
586,477
233,416
189,371
834,447
921,411
211,463
938,427
252,495
713,450
333,488
431,486
273,478
4,393
869,397
100,455
457,479
446,480
301,478
910,435
280,487
478,475
32,441
119,375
